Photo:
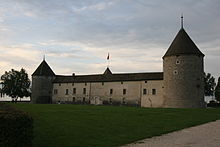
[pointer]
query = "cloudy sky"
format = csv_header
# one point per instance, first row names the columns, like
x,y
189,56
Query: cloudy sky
x,y
76,35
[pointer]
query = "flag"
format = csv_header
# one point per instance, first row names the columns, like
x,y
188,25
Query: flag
x,y
108,57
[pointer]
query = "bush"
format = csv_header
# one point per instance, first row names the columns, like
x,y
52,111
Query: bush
x,y
213,104
16,127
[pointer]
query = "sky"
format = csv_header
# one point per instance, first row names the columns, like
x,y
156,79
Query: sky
x,y
76,35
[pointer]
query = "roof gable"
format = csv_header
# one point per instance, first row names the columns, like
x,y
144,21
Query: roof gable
x,y
43,70
107,71
183,44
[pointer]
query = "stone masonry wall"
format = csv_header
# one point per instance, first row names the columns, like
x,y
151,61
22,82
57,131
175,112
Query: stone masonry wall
x,y
183,81
110,93
41,89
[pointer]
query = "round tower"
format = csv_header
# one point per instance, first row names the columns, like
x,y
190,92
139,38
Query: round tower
x,y
183,73
42,84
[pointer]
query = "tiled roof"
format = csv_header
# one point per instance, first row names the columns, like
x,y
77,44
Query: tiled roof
x,y
109,77
43,70
182,44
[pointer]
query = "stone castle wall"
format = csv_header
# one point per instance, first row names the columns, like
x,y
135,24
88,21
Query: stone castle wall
x,y
150,99
183,81
41,89
111,93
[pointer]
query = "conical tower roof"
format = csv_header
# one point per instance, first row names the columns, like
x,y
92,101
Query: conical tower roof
x,y
43,70
183,45
107,71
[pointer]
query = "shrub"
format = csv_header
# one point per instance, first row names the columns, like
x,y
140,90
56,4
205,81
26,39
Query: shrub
x,y
16,127
213,103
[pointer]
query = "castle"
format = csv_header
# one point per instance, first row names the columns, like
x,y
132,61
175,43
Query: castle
x,y
180,85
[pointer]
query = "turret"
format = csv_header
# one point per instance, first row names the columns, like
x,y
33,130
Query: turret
x,y
183,73
42,84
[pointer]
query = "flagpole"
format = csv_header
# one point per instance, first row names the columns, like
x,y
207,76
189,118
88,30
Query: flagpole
x,y
108,61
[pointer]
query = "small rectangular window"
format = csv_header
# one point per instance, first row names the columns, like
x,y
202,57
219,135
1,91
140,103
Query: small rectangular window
x,y
121,82
67,92
144,91
74,90
85,84
124,91
145,81
84,99
84,90
72,84
55,91
123,101
74,99
102,83
110,100
59,84
154,92
111,91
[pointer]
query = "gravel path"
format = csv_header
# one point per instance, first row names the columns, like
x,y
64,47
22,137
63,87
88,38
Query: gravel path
x,y
206,135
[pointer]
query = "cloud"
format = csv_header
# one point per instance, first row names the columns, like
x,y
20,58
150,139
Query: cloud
x,y
94,7
18,56
77,35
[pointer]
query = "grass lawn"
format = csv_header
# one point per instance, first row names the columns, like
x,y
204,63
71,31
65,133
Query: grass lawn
x,y
77,125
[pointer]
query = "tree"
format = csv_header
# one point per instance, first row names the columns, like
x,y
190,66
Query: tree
x,y
1,93
217,90
16,84
209,84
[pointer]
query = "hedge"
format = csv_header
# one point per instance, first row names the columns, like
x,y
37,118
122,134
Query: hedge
x,y
16,127
213,103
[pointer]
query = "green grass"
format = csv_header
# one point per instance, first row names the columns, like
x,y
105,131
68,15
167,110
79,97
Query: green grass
x,y
77,125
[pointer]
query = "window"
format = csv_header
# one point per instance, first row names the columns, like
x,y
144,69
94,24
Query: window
x,y
123,100
85,84
55,91
154,91
110,100
84,99
72,84
177,61
121,82
145,81
102,83
59,84
74,99
74,90
84,90
67,92
124,91
144,91
175,72
111,91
